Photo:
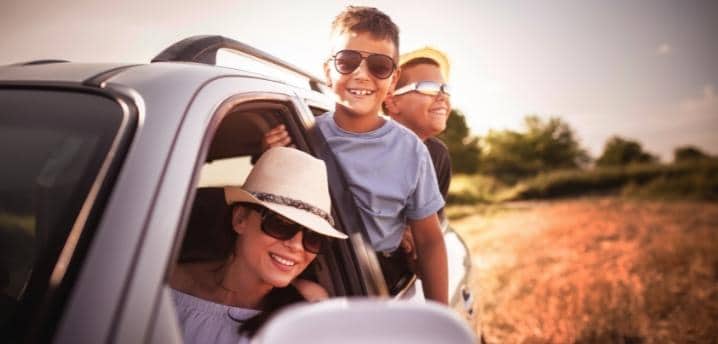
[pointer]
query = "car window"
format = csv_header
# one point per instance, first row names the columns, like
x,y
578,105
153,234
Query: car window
x,y
53,145
236,144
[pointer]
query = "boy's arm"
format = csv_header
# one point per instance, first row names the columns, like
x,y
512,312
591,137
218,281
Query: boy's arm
x,y
432,261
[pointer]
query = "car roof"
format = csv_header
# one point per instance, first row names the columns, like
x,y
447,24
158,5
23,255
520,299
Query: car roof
x,y
62,72
199,52
95,73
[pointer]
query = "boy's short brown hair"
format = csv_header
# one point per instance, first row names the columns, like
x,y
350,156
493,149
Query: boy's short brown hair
x,y
360,19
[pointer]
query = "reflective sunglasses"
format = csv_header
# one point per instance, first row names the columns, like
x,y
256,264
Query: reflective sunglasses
x,y
281,228
429,88
379,65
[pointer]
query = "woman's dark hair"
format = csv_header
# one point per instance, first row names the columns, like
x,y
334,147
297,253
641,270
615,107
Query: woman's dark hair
x,y
209,234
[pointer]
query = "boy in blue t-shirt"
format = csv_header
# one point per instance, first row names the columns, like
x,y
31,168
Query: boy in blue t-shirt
x,y
388,168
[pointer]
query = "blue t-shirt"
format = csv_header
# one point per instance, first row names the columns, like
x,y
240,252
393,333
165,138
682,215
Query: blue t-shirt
x,y
390,175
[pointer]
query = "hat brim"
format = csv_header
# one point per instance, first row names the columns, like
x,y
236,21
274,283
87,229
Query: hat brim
x,y
234,194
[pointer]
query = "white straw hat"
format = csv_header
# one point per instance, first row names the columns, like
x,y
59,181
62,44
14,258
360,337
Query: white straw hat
x,y
293,184
430,53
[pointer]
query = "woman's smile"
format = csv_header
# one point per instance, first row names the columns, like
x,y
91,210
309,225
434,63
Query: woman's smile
x,y
283,263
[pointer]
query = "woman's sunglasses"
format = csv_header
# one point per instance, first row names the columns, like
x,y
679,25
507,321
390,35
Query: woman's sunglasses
x,y
281,228
429,88
347,61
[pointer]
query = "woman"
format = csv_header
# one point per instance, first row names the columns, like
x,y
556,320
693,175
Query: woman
x,y
281,217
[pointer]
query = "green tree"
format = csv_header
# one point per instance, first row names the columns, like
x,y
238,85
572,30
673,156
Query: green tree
x,y
555,144
689,153
619,151
463,148
542,146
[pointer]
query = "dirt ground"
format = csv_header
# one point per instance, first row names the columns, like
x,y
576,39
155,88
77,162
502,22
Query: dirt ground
x,y
596,270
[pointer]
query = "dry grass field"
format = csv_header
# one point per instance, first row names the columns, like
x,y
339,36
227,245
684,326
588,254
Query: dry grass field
x,y
594,270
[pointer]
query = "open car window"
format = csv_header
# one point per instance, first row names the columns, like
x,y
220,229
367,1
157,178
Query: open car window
x,y
236,144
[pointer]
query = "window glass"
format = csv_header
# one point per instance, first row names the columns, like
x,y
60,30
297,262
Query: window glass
x,y
231,171
52,145
234,147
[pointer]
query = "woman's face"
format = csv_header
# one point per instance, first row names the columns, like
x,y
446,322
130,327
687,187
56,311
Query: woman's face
x,y
264,258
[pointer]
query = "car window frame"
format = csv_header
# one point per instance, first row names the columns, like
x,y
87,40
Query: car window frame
x,y
282,97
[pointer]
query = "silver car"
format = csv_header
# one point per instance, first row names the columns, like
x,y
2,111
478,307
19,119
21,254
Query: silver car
x,y
111,173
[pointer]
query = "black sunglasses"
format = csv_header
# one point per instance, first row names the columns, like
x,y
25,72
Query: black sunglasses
x,y
379,65
281,228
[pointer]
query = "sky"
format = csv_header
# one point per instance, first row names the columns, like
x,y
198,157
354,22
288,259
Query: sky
x,y
643,70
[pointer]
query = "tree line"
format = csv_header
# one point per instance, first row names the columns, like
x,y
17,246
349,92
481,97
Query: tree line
x,y
543,145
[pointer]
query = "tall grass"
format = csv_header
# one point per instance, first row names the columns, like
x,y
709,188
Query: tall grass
x,y
474,188
697,180
596,270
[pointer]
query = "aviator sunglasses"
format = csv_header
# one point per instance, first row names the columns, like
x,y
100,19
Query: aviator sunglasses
x,y
347,61
281,228
429,88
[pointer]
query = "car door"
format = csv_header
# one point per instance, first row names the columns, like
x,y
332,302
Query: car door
x,y
202,138
224,124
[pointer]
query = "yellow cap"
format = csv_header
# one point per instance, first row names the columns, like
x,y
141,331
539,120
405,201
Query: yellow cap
x,y
429,53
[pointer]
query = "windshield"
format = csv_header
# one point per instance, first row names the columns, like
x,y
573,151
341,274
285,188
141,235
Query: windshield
x,y
52,147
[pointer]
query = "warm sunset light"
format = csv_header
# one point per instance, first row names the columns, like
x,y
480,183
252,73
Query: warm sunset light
x,y
560,186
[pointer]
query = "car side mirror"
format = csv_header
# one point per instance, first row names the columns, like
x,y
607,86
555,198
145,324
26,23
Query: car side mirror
x,y
362,320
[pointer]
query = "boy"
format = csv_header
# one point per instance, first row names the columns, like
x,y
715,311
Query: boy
x,y
421,102
388,168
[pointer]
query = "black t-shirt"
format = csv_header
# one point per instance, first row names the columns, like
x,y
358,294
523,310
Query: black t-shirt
x,y
442,166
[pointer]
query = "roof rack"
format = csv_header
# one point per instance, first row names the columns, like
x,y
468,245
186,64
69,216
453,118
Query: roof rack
x,y
203,49
38,62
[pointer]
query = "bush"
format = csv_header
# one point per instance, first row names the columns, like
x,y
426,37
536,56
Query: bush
x,y
544,145
689,153
619,152
477,188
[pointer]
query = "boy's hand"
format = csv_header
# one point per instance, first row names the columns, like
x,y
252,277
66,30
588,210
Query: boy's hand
x,y
407,245
277,137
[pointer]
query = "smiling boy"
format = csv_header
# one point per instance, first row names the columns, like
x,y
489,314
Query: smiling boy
x,y
388,168
422,103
